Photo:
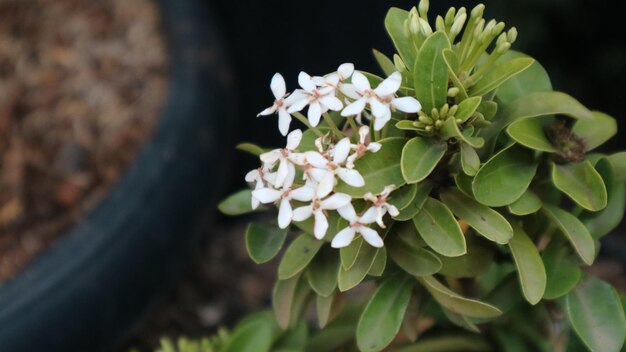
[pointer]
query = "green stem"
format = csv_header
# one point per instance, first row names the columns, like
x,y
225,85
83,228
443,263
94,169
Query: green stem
x,y
490,61
354,127
305,121
332,125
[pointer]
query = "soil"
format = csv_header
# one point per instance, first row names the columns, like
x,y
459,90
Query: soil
x,y
81,83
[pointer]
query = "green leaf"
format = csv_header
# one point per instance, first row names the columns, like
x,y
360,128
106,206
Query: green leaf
x,y
349,278
237,204
464,183
337,333
606,220
449,343
483,219
530,268
597,316
422,192
430,75
292,340
283,298
574,231
402,197
461,321
450,129
505,177
582,183
349,253
407,232
597,130
530,133
488,108
381,320
255,335
457,303
420,156
263,243
618,161
323,308
438,227
406,125
298,256
562,272
380,263
394,23
527,204
533,79
548,103
467,108
323,270
250,148
500,74
475,262
378,169
384,62
414,260
470,162
452,62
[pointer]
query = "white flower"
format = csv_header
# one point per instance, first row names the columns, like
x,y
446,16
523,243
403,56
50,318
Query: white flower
x,y
380,100
285,212
335,79
358,224
324,170
319,100
362,147
286,158
317,207
282,102
256,176
381,205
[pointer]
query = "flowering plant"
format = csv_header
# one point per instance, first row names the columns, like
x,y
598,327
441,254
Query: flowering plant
x,y
459,190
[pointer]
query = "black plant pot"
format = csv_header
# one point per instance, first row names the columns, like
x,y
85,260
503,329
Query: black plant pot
x,y
85,291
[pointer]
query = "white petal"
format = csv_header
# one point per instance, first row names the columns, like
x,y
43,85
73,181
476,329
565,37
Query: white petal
x,y
336,201
345,70
302,213
351,177
270,157
321,225
305,81
356,107
270,178
379,109
393,211
317,175
364,131
331,102
343,238
350,161
360,82
380,212
326,185
298,104
380,122
297,158
291,175
281,173
316,159
268,111
267,195
371,236
347,212
253,176
341,151
374,147
278,86
407,104
297,94
369,216
293,139
284,120
303,194
390,85
284,213
349,90
254,202
332,80
318,80
315,112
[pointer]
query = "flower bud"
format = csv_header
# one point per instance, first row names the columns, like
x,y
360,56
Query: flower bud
x,y
498,28
425,27
434,113
453,91
425,119
502,48
512,35
501,39
444,110
457,26
478,28
440,24
397,61
449,19
438,123
414,25
453,110
478,11
423,7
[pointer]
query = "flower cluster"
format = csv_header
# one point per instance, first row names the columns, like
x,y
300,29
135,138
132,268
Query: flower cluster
x,y
275,182
322,94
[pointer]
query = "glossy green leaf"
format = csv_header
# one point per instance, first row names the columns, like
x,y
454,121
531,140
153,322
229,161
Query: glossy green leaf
x,y
406,125
450,129
530,268
470,162
421,193
382,317
529,132
438,227
596,131
449,343
420,156
283,298
501,73
384,62
548,103
253,335
505,177
403,196
488,108
380,263
527,204
467,108
407,232
299,254
291,340
394,23
582,183
457,303
430,73
263,243
336,334
323,270
349,278
574,231
596,314
323,308
452,62
533,79
476,261
378,169
464,183
606,220
237,204
618,162
461,321
250,148
562,272
414,260
481,218
349,253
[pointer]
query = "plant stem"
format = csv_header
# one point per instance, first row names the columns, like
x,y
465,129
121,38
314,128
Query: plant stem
x,y
332,125
354,127
305,121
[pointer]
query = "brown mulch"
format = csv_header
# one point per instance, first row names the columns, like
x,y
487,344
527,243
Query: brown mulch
x,y
81,83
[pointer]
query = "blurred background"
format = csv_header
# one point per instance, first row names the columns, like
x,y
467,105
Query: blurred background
x,y
579,42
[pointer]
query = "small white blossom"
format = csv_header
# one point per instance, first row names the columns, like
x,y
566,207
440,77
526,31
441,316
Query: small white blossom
x,y
358,224
318,99
317,207
281,103
362,147
335,79
258,177
380,100
286,158
285,212
380,204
